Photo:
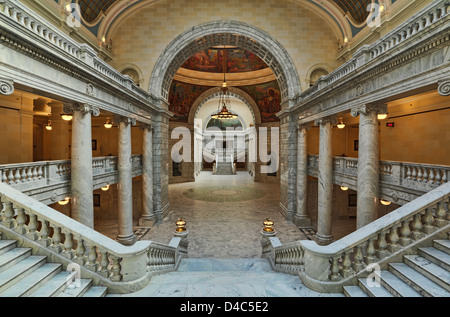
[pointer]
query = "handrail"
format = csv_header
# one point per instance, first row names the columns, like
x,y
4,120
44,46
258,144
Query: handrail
x,y
111,263
328,268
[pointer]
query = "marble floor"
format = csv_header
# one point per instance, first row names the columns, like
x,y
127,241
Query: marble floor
x,y
224,215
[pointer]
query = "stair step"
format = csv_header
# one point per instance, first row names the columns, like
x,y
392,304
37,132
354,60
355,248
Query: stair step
x,y
7,245
442,245
84,286
437,257
27,285
374,291
96,291
395,285
434,272
419,282
354,291
12,257
54,286
20,270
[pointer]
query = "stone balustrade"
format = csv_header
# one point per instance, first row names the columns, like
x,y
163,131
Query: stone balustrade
x,y
41,180
329,268
121,268
401,182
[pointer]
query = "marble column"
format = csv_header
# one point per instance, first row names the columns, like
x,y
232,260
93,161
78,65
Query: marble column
x,y
148,217
301,218
126,235
325,183
81,165
368,163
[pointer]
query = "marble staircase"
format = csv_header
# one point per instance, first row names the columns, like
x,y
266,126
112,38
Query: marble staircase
x,y
426,274
23,274
216,277
224,168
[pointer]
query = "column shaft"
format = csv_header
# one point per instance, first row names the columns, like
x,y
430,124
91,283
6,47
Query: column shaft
x,y
125,186
325,184
368,169
148,216
301,218
81,174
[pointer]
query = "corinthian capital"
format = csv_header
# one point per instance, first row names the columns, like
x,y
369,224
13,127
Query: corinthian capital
x,y
366,109
6,87
444,88
81,107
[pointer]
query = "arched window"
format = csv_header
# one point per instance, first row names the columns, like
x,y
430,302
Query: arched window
x,y
133,74
316,74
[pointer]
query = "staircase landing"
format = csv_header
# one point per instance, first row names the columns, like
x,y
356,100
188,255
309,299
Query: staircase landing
x,y
226,278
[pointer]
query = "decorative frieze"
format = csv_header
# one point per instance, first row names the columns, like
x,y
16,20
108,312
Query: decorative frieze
x,y
6,87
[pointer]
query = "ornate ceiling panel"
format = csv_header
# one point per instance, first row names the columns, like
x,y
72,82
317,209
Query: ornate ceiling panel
x,y
91,9
356,8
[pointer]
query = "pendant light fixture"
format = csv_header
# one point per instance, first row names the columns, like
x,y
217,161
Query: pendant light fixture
x,y
224,99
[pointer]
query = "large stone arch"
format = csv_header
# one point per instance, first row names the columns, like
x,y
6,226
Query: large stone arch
x,y
234,33
234,92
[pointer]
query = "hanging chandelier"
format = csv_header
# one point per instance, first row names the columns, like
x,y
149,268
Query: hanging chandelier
x,y
224,99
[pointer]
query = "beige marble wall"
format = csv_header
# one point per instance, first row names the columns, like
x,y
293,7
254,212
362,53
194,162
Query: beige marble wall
x,y
142,38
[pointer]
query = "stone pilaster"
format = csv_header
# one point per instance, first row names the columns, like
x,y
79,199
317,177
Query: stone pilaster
x,y
148,216
368,163
126,235
301,218
325,183
81,170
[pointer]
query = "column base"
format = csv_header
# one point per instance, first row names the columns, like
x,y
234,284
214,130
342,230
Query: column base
x,y
127,240
302,222
323,239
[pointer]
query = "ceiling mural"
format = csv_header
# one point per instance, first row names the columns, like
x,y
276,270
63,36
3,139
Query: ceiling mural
x,y
237,60
267,96
90,9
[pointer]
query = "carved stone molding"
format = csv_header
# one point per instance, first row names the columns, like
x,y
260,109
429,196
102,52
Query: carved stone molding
x,y
119,119
365,109
81,107
90,89
444,88
306,127
6,87
331,119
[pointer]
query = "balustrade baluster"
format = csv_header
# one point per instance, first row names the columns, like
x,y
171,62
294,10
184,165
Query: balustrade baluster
x,y
370,252
104,262
8,215
20,221
92,263
32,227
405,233
382,252
408,172
23,175
428,221
68,246
417,173
80,257
416,226
116,277
440,213
56,239
17,174
358,264
334,269
4,177
425,174
347,270
29,174
10,177
44,234
393,245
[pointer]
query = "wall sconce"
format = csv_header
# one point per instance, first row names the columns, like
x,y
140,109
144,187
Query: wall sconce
x,y
66,117
382,116
385,202
108,124
64,202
